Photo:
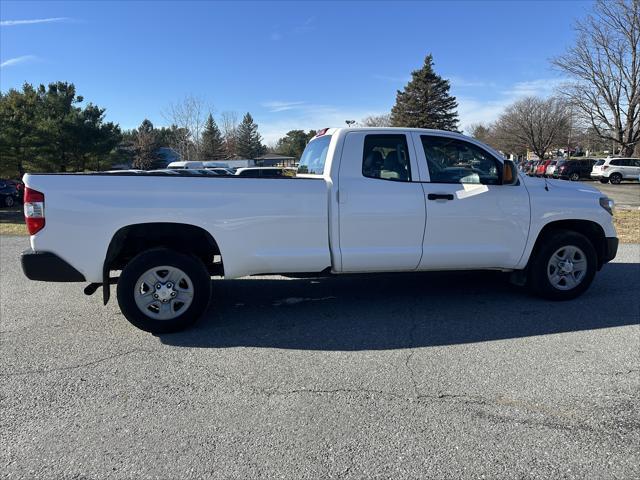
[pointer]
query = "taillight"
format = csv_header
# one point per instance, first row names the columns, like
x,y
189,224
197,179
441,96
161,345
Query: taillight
x,y
33,210
605,167
322,132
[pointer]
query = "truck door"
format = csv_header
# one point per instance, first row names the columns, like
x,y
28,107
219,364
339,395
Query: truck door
x,y
381,210
473,221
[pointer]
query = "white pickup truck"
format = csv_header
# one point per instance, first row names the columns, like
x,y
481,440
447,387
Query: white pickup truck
x,y
363,200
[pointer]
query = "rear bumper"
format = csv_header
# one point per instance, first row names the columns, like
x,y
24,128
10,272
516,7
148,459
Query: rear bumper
x,y
596,175
610,249
48,267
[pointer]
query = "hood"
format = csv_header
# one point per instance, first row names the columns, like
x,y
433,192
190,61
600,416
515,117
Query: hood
x,y
559,188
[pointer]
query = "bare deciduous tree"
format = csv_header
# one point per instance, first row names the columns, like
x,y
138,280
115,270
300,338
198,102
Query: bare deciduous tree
x,y
604,66
532,123
229,125
189,116
383,120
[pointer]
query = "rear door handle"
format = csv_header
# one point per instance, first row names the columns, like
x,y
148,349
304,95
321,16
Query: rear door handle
x,y
440,196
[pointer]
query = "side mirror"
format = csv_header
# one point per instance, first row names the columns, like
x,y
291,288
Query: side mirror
x,y
509,173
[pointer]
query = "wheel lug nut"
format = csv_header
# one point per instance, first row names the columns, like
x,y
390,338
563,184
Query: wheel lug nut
x,y
158,286
155,295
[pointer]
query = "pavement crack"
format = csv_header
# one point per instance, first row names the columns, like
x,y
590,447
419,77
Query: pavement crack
x,y
407,364
73,367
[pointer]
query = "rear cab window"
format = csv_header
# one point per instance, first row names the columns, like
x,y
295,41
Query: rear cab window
x,y
314,156
386,157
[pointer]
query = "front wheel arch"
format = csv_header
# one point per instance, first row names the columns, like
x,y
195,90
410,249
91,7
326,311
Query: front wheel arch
x,y
592,230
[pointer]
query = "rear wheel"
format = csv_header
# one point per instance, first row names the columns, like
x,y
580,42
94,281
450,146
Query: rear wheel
x,y
162,291
615,178
564,266
9,201
574,177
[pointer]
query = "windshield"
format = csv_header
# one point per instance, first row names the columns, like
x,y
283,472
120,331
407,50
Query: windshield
x,y
314,156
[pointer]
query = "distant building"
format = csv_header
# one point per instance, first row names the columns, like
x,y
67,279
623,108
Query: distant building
x,y
275,160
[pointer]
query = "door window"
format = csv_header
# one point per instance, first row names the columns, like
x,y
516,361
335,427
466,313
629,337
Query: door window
x,y
386,157
455,161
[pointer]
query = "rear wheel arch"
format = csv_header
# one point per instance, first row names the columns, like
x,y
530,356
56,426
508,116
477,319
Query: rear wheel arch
x,y
131,240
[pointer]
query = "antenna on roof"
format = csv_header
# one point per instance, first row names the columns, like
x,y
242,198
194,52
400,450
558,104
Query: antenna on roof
x,y
349,122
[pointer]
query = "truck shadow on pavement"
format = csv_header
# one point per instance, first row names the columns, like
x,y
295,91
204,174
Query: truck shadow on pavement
x,y
397,311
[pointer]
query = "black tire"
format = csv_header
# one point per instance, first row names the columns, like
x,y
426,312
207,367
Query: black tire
x,y
604,180
9,201
191,266
615,178
574,177
550,243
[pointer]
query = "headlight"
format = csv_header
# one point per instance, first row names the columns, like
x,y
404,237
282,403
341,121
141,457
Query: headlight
x,y
607,203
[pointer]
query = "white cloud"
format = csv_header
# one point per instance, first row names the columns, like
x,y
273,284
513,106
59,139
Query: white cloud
x,y
18,60
306,26
542,87
459,82
33,21
277,106
472,110
391,78
306,116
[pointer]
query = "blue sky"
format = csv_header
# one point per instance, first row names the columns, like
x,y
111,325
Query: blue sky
x,y
291,64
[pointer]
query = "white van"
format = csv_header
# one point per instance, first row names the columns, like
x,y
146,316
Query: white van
x,y
184,165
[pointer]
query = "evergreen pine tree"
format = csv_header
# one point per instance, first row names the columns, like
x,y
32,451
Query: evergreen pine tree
x,y
249,141
212,144
146,147
425,102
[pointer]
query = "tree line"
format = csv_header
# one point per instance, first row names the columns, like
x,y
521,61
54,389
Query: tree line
x,y
203,142
50,129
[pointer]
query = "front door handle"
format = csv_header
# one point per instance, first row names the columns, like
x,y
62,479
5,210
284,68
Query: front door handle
x,y
440,196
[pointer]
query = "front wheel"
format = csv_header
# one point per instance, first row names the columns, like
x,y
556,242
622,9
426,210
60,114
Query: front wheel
x,y
9,201
564,266
615,178
163,291
574,177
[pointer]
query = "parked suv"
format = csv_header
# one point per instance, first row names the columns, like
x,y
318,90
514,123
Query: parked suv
x,y
9,193
616,169
574,170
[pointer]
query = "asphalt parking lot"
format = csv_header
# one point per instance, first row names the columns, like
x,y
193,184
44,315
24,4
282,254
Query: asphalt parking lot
x,y
387,376
626,195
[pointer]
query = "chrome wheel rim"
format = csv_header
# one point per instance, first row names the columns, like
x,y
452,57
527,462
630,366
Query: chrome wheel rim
x,y
567,267
163,293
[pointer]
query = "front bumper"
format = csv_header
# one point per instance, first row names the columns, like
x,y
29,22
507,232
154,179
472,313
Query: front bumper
x,y
48,267
610,249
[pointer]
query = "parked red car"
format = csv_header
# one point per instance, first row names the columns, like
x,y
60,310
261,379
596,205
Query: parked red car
x,y
541,169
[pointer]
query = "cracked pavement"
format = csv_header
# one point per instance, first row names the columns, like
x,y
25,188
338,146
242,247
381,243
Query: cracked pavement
x,y
455,375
